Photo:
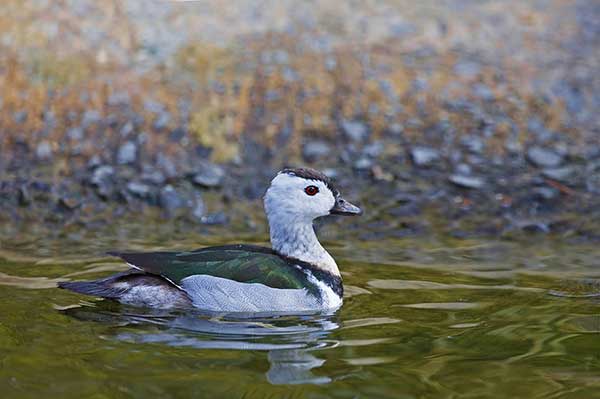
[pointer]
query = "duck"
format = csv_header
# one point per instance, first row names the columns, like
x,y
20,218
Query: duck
x,y
295,275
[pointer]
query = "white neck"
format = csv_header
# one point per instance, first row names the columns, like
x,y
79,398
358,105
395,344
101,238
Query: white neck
x,y
297,239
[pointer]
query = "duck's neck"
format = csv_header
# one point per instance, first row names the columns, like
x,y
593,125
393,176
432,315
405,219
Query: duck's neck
x,y
297,239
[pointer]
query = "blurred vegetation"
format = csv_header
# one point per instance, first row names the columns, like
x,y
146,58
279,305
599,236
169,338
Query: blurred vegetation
x,y
270,87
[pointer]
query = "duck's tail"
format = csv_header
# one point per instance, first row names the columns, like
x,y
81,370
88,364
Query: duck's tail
x,y
132,288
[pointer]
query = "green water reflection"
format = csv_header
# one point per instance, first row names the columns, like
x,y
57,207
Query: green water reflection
x,y
420,320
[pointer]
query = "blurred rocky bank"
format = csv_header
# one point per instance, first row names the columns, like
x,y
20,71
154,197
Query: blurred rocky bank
x,y
462,117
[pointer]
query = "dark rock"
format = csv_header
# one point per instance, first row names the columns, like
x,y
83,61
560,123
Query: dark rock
x,y
43,151
138,189
127,153
564,174
23,196
214,218
545,193
314,150
69,202
467,181
169,198
424,156
543,157
354,130
211,175
177,135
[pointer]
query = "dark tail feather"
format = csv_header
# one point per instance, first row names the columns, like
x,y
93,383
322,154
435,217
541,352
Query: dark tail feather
x,y
159,292
103,288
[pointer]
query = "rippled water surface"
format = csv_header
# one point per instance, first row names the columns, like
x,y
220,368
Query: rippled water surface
x,y
441,319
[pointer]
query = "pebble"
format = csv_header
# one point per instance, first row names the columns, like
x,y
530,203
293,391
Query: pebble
x,y
169,198
210,176
75,133
139,189
467,181
44,150
424,156
545,193
214,218
543,157
564,174
363,164
90,117
354,130
473,143
127,153
199,209
314,150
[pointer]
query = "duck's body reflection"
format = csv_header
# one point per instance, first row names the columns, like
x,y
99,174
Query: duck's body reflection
x,y
291,341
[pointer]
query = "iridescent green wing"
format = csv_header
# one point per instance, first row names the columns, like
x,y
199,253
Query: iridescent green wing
x,y
242,263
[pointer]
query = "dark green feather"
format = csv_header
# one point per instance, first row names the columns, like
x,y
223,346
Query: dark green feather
x,y
242,263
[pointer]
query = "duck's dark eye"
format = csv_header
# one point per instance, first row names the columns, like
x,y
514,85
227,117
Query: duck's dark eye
x,y
311,190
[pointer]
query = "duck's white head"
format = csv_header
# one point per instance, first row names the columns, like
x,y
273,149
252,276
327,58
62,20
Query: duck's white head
x,y
294,199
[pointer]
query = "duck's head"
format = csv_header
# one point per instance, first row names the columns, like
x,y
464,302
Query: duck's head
x,y
304,194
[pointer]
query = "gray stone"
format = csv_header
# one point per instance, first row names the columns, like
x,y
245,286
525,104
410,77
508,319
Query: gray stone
x,y
169,198
139,189
153,176
374,149
543,157
424,156
354,130
396,128
564,174
90,117
75,133
214,218
545,193
162,120
467,181
363,164
199,209
314,150
211,175
127,153
43,150
167,165
473,143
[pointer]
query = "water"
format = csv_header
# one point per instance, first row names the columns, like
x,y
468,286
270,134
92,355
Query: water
x,y
434,319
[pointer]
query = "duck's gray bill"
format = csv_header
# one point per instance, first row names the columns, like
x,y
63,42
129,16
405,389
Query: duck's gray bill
x,y
343,207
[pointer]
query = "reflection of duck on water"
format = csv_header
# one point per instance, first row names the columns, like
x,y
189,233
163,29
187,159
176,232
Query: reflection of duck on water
x,y
296,275
291,342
